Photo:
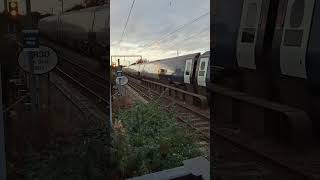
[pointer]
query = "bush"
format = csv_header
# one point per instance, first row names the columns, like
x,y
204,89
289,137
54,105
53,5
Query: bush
x,y
86,158
147,139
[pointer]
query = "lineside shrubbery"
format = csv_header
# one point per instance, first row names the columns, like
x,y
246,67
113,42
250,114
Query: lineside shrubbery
x,y
147,139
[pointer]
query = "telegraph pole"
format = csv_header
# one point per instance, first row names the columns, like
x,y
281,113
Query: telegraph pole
x,y
32,76
62,6
5,5
3,169
2,137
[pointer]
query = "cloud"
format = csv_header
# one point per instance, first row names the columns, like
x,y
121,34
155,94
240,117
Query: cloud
x,y
152,20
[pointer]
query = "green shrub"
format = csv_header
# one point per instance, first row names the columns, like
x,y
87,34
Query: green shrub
x,y
150,140
146,138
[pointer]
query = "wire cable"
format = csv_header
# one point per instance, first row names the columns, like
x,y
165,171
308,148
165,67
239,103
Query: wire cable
x,y
125,27
179,28
190,37
173,44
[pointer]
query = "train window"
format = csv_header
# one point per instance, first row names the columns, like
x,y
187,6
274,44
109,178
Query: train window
x,y
188,68
251,15
293,38
297,13
203,65
248,35
202,68
162,70
201,73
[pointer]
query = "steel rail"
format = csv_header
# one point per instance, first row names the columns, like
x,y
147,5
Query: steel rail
x,y
83,86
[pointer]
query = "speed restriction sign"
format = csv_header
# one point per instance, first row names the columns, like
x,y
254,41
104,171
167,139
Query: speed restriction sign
x,y
44,60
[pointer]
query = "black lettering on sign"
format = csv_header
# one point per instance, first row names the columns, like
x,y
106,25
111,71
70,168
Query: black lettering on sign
x,y
39,68
43,61
41,54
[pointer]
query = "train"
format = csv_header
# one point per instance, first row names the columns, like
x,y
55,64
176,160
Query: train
x,y
270,50
86,30
189,72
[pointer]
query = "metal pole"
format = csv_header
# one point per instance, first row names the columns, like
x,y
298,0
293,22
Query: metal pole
x,y
2,137
110,109
61,6
6,5
119,85
30,60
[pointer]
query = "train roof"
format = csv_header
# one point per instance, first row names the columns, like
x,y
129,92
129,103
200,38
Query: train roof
x,y
76,11
177,58
206,54
80,10
86,9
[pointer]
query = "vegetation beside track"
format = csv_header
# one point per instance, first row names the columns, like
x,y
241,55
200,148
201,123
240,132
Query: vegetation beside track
x,y
85,157
147,139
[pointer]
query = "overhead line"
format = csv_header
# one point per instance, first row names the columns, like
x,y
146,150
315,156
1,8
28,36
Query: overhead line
x,y
188,38
124,29
192,36
178,29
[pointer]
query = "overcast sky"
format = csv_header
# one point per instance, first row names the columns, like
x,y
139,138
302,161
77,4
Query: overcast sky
x,y
152,19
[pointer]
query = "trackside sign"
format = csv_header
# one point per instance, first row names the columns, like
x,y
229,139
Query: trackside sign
x,y
44,60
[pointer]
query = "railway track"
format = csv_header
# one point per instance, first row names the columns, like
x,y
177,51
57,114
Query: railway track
x,y
89,83
185,114
233,159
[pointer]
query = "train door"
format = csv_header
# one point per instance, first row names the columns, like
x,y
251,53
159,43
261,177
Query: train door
x,y
247,33
295,38
187,71
202,72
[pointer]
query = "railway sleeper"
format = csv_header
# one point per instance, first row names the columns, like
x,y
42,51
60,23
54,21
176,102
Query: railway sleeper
x,y
201,124
261,118
196,120
205,129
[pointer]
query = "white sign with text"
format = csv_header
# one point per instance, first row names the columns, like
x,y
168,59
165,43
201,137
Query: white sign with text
x,y
44,60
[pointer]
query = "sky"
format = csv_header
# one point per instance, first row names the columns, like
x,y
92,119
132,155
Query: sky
x,y
150,21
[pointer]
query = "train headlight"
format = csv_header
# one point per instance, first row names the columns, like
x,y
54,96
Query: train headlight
x,y
13,5
13,8
13,13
